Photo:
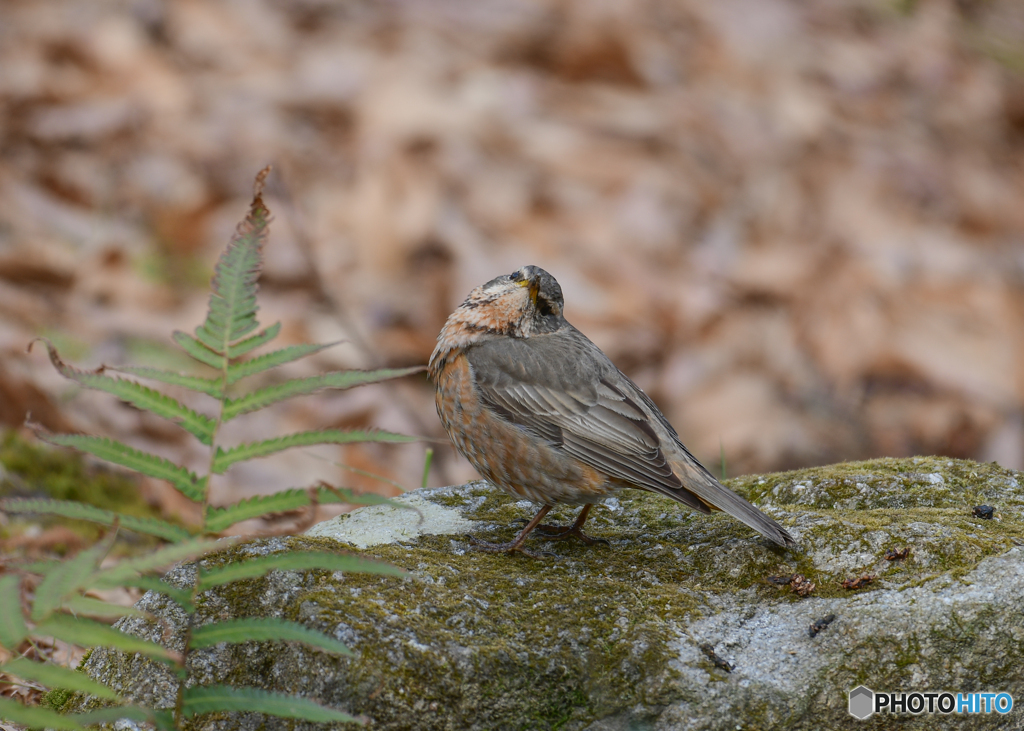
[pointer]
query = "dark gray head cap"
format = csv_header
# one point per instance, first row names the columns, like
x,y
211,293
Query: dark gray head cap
x,y
547,286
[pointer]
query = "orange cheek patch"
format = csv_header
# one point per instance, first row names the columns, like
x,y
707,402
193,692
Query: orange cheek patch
x,y
502,315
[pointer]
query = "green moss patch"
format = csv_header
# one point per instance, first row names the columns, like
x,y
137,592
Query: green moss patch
x,y
894,484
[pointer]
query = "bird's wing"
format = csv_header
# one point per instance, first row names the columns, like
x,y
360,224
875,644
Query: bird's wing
x,y
566,392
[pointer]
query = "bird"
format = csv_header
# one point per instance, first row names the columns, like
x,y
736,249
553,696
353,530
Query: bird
x,y
541,412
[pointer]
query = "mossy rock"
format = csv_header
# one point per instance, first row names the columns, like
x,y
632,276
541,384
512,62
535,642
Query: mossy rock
x,y
610,637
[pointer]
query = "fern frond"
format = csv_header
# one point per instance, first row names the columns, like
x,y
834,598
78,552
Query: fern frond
x,y
81,511
162,720
249,344
197,350
86,606
305,386
87,633
67,577
218,519
232,311
126,572
36,716
36,567
259,364
299,561
224,459
209,386
269,629
182,597
137,395
55,676
186,482
213,698
12,625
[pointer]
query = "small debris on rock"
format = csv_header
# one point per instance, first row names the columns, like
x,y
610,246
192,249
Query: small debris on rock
x,y
820,624
801,585
859,582
985,512
709,650
894,555
797,582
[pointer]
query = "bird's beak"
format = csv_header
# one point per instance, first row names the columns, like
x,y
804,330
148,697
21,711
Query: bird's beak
x,y
534,285
531,282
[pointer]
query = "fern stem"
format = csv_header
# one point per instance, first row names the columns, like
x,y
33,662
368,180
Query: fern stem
x,y
179,698
426,466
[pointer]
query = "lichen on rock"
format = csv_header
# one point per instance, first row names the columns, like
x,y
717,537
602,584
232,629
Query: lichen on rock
x,y
611,637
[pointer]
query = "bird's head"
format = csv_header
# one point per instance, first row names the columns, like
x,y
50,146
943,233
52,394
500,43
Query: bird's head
x,y
526,302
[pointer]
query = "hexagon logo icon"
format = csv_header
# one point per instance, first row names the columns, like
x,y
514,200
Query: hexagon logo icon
x,y
862,702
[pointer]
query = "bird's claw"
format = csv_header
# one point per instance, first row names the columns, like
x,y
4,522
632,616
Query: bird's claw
x,y
511,547
552,532
561,533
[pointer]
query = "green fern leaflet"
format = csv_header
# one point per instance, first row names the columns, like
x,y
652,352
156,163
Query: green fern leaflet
x,y
59,604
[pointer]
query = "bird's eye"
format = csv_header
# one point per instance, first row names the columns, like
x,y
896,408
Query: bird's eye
x,y
516,276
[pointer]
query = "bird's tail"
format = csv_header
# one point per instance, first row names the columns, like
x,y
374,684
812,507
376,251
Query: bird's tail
x,y
700,483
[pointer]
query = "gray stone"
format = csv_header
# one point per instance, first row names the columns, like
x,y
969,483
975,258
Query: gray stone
x,y
640,634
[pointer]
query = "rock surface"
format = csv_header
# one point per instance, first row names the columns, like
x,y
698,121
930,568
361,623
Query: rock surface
x,y
675,625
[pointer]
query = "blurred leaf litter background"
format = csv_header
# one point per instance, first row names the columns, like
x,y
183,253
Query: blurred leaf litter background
x,y
798,225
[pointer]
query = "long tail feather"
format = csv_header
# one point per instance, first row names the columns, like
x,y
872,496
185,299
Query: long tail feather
x,y
699,483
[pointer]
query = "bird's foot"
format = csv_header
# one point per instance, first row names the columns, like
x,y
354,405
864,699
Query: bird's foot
x,y
511,547
561,533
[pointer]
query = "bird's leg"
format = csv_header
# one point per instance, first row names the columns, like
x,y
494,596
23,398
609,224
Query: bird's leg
x,y
516,545
560,532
